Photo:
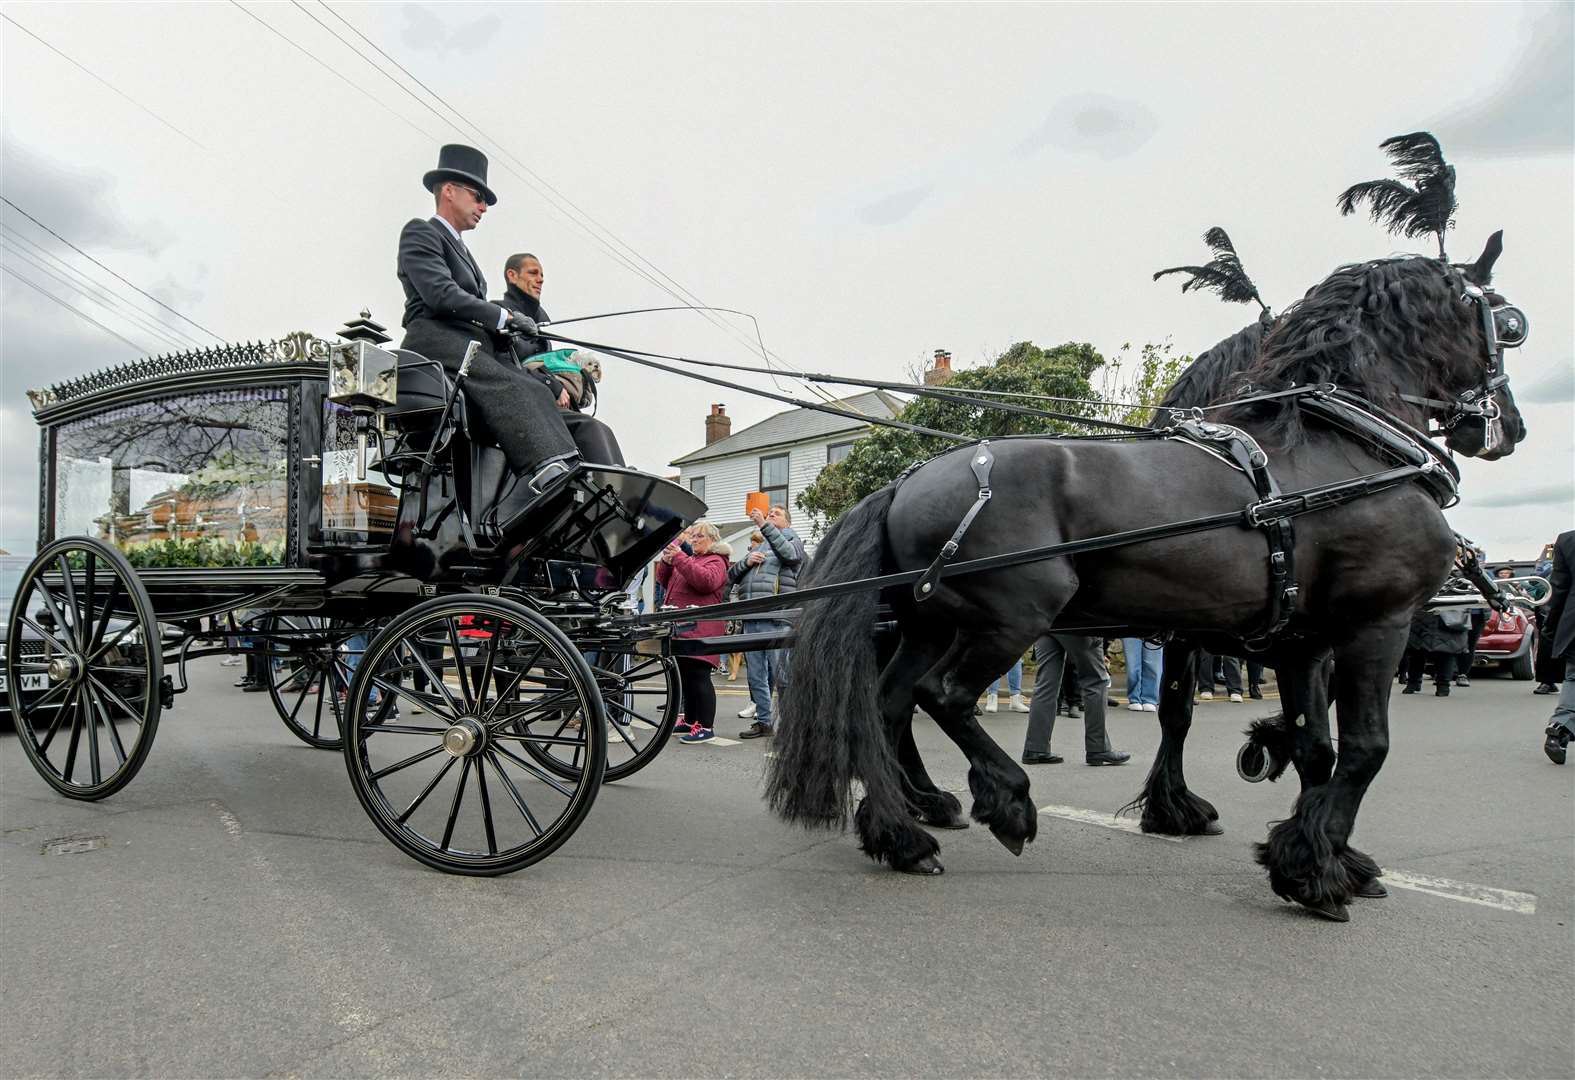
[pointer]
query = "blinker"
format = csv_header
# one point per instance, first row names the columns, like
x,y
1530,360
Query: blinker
x,y
1510,326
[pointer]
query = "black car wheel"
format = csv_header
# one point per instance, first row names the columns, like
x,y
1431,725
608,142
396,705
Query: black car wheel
x,y
457,786
91,728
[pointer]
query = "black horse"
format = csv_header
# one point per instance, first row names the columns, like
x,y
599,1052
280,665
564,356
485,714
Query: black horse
x,y
1410,335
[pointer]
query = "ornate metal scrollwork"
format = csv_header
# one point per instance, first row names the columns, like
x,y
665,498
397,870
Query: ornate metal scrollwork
x,y
294,348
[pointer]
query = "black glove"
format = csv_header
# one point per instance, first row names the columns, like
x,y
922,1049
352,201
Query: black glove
x,y
523,324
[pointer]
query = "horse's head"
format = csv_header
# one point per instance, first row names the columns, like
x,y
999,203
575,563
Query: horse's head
x,y
1414,335
1492,429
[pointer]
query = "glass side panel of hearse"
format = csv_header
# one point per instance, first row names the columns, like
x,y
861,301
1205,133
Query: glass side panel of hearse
x,y
180,480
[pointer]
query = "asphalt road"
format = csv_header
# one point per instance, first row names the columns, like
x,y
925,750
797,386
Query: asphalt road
x,y
242,918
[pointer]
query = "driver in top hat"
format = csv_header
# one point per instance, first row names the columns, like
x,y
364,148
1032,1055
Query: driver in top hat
x,y
446,309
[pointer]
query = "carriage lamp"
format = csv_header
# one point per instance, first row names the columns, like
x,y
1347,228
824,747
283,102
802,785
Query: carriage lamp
x,y
363,376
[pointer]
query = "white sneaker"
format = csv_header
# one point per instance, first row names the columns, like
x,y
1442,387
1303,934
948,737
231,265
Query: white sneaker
x,y
1017,704
1206,696
747,712
1151,708
992,703
1133,706
1236,698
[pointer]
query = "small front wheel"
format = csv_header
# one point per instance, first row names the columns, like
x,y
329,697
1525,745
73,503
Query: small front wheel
x,y
83,667
459,785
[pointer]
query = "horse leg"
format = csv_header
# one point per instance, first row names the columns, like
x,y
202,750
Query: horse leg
x,y
1308,855
885,837
1166,803
999,785
1299,735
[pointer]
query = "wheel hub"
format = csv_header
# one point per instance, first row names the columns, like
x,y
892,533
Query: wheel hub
x,y
465,737
65,668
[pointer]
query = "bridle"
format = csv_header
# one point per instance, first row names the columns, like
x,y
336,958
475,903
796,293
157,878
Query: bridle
x,y
1504,326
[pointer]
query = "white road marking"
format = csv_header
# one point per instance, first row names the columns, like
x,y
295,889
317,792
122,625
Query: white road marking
x,y
232,824
1466,892
1504,899
1108,821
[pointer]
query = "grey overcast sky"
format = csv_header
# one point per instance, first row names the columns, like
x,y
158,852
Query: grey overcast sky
x,y
872,182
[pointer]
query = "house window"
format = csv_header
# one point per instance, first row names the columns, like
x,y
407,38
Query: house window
x,y
837,451
697,487
774,478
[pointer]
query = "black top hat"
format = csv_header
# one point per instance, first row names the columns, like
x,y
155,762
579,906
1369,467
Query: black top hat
x,y
463,163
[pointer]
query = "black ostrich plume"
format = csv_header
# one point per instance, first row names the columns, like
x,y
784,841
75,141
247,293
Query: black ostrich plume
x,y
1222,274
1425,205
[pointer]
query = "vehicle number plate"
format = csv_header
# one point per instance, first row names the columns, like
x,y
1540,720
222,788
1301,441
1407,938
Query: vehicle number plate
x,y
29,682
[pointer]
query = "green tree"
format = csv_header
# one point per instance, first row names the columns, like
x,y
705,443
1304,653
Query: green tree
x,y
1064,371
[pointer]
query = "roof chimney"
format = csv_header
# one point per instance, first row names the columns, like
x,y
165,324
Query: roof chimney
x,y
718,425
942,371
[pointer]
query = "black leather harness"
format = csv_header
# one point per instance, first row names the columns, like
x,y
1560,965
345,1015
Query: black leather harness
x,y
1417,456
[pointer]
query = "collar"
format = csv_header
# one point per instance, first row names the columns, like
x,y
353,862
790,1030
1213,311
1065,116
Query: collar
x,y
528,303
443,221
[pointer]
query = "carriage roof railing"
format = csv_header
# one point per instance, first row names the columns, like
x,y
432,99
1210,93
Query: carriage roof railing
x,y
294,348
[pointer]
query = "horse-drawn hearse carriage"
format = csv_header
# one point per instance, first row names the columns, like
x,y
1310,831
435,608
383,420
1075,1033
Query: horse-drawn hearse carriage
x,y
327,506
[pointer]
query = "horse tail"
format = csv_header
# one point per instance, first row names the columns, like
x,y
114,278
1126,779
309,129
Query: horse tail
x,y
829,728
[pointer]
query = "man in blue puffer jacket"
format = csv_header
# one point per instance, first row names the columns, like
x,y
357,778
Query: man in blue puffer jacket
x,y
771,568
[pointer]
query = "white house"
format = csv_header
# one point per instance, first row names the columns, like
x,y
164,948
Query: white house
x,y
781,456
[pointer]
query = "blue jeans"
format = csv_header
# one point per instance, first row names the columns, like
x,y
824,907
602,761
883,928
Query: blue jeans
x,y
767,669
355,647
1014,680
1145,663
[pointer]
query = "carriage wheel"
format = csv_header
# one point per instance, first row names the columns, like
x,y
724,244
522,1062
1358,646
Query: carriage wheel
x,y
91,728
456,786
641,697
307,671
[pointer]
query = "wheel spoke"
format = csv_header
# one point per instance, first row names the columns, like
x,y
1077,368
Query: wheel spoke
x,y
632,714
411,696
109,722
503,695
90,579
407,762
70,586
486,809
76,735
51,638
402,729
120,635
539,740
624,735
486,670
102,625
541,705
55,611
60,714
432,677
453,807
51,692
514,795
419,799
459,666
545,778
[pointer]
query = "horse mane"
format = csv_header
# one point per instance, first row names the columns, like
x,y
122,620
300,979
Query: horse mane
x,y
1216,374
1376,328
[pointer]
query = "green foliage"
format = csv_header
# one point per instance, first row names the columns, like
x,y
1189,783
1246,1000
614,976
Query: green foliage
x,y
1064,371
205,552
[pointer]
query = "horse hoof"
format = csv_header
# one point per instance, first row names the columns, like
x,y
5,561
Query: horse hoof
x,y
1014,844
1213,828
1253,762
1332,910
928,866
1372,889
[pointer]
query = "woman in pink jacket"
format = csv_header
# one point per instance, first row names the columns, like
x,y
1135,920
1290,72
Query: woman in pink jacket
x,y
693,578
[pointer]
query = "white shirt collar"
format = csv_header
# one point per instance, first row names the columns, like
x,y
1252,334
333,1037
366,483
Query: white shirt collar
x,y
444,222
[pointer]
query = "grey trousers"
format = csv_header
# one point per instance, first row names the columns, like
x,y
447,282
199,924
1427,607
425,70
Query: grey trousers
x,y
1050,653
1564,711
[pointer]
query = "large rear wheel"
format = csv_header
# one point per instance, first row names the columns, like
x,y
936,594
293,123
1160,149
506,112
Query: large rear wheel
x,y
457,785
83,668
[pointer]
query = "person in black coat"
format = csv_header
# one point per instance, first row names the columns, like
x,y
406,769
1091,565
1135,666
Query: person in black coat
x,y
1561,624
525,277
1439,637
446,309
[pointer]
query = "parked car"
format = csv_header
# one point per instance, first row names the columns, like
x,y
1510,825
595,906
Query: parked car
x,y
1508,643
11,569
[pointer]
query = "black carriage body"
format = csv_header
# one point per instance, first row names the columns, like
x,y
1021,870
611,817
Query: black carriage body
x,y
208,469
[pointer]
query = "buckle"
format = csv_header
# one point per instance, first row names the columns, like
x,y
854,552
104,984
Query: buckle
x,y
984,493
948,549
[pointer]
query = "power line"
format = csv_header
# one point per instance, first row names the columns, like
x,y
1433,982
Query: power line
x,y
91,289
87,71
75,311
363,91
107,270
7,245
535,180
